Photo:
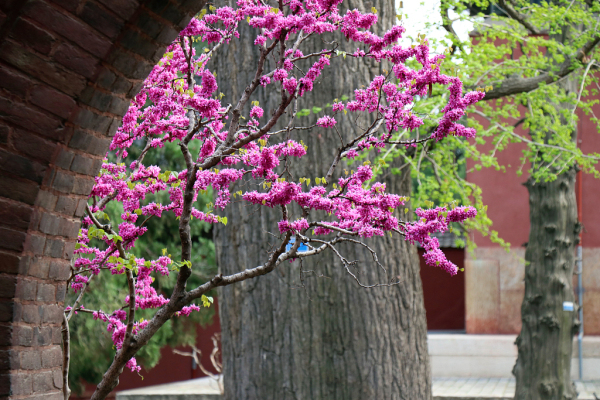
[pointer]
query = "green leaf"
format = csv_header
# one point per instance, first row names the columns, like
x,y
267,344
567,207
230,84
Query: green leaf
x,y
206,301
316,109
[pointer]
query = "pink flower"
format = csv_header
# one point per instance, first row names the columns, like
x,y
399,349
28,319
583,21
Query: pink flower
x,y
326,122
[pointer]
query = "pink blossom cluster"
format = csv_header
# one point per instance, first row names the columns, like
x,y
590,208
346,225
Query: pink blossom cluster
x,y
431,221
179,102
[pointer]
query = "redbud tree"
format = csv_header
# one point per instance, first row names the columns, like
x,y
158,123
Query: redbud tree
x,y
240,142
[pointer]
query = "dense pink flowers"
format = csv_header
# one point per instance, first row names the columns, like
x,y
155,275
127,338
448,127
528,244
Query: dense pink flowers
x,y
180,102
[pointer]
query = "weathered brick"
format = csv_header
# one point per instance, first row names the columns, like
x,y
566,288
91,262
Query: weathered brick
x,y
15,215
66,205
39,267
4,134
58,379
8,286
69,249
68,5
36,214
82,164
59,270
76,59
83,185
127,64
192,6
52,314
32,64
118,106
61,290
96,98
26,289
68,228
105,78
21,166
52,100
12,264
89,143
6,311
49,224
32,36
43,335
114,127
63,182
46,292
122,85
52,357
135,89
68,27
5,385
34,146
54,248
124,8
11,239
156,6
136,42
90,120
56,335
175,15
46,200
14,82
43,381
36,244
102,20
23,335
21,384
148,24
6,335
81,208
30,359
18,189
64,159
30,314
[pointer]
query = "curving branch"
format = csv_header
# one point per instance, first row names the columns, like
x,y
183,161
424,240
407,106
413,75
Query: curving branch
x,y
516,85
520,18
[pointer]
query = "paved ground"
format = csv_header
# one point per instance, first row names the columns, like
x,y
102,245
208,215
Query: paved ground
x,y
443,389
494,388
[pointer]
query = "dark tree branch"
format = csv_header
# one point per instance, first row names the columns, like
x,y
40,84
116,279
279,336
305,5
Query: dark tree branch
x,y
517,85
520,18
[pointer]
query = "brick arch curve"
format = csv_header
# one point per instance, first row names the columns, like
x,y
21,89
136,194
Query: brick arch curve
x,y
67,71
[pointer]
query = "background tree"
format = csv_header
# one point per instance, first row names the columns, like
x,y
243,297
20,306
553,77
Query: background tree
x,y
176,105
306,332
316,335
536,61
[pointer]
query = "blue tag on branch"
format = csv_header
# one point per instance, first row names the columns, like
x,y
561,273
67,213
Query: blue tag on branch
x,y
301,249
568,306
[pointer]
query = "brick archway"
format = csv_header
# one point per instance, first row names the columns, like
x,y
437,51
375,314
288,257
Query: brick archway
x,y
67,71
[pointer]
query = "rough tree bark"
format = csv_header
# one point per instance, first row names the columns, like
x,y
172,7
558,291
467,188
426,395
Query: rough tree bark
x,y
546,340
309,331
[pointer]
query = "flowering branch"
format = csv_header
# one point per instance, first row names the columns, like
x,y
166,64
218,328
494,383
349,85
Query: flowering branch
x,y
177,103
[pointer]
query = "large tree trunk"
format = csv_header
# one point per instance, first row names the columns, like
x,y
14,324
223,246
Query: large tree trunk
x,y
309,331
546,339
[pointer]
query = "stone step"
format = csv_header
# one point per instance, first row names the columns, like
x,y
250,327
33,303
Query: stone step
x,y
443,389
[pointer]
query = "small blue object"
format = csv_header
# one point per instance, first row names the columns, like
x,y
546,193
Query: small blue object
x,y
568,306
301,249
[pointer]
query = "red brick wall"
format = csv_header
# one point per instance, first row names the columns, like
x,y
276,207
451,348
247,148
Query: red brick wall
x,y
67,71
